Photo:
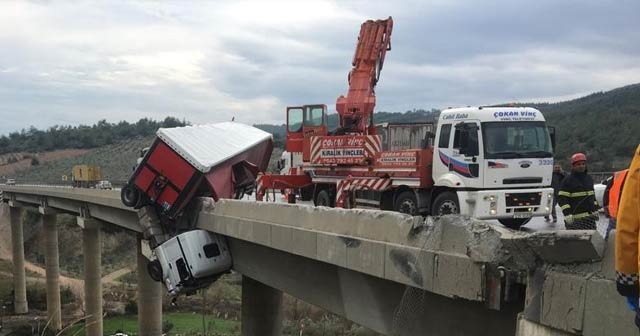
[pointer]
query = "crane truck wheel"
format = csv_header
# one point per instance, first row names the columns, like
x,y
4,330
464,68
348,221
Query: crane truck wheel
x,y
306,193
446,204
514,223
155,270
130,195
324,199
406,203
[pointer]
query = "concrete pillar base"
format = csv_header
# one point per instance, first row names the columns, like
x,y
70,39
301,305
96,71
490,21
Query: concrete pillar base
x,y
149,300
91,244
261,309
19,274
54,305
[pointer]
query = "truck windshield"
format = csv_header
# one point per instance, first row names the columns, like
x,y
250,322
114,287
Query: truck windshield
x,y
520,139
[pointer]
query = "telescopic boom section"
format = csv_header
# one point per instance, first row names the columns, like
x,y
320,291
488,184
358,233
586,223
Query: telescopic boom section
x,y
356,109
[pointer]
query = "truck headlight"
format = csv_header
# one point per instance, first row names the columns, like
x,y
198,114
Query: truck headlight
x,y
490,198
493,211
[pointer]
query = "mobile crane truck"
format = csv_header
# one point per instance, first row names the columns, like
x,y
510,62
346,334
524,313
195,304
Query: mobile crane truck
x,y
486,162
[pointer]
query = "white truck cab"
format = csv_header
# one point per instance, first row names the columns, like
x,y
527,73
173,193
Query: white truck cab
x,y
190,261
499,160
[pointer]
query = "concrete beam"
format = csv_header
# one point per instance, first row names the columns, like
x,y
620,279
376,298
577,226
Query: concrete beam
x,y
567,247
19,274
410,265
149,299
577,300
261,309
528,328
91,245
385,306
102,204
54,305
125,218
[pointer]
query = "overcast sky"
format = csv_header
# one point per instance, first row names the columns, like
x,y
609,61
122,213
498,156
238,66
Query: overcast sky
x,y
72,62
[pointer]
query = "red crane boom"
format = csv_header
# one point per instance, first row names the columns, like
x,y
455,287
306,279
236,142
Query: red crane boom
x,y
356,109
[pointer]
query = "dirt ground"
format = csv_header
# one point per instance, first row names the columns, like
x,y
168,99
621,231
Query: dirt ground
x,y
11,168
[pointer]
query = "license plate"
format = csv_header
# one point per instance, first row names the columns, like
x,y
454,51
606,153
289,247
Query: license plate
x,y
522,215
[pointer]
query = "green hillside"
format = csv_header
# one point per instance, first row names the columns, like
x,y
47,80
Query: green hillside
x,y
604,125
116,162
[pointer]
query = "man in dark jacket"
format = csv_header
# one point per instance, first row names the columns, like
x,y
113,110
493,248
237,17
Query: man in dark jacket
x,y
556,181
577,198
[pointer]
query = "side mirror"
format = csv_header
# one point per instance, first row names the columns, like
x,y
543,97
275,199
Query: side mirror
x,y
552,134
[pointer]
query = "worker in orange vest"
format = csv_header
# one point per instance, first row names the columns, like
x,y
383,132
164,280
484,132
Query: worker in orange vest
x,y
627,242
612,198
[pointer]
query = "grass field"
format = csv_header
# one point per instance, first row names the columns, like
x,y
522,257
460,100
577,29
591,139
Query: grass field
x,y
183,324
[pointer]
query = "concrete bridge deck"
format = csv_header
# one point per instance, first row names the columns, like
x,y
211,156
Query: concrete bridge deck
x,y
396,274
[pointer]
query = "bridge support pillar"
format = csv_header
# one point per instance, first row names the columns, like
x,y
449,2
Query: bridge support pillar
x,y
261,309
51,257
149,299
19,275
91,243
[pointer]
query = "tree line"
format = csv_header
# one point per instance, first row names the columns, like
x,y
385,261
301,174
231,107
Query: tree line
x,y
102,133
604,125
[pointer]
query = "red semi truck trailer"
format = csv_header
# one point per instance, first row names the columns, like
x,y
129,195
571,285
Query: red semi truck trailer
x,y
215,160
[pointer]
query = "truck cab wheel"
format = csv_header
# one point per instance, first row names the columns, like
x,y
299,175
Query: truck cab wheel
x,y
406,203
324,199
155,270
446,204
306,193
514,223
130,195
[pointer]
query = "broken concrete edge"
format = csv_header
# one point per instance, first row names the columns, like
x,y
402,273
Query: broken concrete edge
x,y
479,240
576,303
447,274
568,246
529,328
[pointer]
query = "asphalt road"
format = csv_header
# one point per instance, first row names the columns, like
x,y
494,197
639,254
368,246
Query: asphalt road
x,y
539,223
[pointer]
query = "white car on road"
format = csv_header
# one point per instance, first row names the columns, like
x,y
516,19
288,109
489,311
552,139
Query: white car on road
x,y
104,185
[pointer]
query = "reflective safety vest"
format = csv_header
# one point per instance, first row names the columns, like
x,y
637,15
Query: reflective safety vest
x,y
616,191
628,231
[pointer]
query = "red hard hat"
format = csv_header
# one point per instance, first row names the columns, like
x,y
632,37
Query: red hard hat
x,y
577,157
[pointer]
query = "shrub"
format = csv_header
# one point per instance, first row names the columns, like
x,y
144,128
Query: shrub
x,y
166,326
131,308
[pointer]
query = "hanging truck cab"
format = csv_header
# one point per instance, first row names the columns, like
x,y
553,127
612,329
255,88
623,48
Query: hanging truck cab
x,y
211,162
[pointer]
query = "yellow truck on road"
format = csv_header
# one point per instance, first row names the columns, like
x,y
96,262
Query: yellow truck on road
x,y
85,176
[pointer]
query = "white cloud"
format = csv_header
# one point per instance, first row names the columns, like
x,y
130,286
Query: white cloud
x,y
78,62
